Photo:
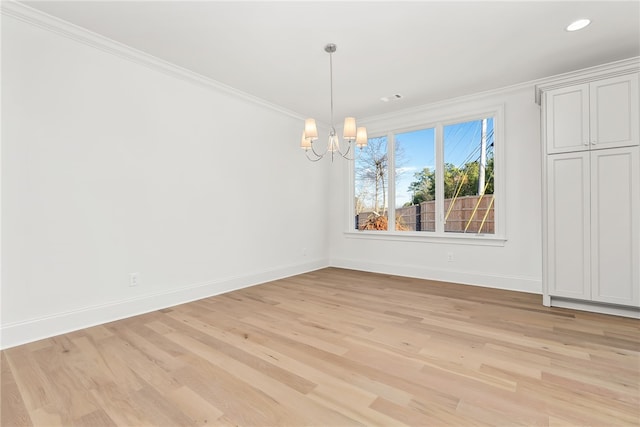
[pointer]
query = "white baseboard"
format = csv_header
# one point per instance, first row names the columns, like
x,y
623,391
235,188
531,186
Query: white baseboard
x,y
13,334
595,307
511,283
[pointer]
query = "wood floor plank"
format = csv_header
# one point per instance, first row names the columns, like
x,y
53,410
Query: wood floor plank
x,y
35,388
12,410
195,407
58,364
335,347
97,418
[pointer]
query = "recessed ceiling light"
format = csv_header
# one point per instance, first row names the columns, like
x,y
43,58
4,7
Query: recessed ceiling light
x,y
394,97
578,25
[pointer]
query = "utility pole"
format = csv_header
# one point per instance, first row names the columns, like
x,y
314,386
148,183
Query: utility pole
x,y
483,158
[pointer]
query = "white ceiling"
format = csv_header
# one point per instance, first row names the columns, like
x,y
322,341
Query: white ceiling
x,y
425,51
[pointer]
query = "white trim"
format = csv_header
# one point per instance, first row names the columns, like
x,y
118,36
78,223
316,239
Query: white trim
x,y
430,115
446,105
1,198
82,35
511,283
612,69
428,237
615,310
17,333
391,177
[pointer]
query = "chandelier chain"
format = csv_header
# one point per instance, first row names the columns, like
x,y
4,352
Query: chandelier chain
x,y
331,85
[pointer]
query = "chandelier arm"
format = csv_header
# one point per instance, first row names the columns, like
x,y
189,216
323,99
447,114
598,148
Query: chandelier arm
x,y
345,155
312,159
316,153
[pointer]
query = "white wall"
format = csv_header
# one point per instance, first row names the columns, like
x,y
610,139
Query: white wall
x,y
517,265
111,167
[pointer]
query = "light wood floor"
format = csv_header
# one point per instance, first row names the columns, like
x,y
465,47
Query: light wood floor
x,y
335,348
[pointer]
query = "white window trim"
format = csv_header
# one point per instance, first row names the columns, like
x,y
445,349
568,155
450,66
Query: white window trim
x,y
437,121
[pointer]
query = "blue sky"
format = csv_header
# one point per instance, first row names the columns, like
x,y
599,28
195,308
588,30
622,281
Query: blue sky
x,y
414,151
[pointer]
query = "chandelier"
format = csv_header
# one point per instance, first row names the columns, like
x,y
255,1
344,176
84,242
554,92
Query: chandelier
x,y
350,133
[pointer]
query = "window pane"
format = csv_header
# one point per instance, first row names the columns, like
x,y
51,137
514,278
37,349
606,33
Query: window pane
x,y
415,181
371,170
468,177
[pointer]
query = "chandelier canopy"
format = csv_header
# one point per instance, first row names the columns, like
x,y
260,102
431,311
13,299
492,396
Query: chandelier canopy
x,y
350,132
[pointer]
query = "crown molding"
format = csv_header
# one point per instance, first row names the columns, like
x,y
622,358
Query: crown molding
x,y
611,69
447,103
79,34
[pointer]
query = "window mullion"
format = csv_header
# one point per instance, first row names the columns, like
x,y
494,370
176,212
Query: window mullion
x,y
351,208
439,139
391,181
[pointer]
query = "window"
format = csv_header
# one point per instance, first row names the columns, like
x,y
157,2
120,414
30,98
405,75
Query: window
x,y
468,177
371,185
415,170
439,179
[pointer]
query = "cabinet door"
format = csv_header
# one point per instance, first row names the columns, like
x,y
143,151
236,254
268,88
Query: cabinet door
x,y
568,243
614,112
615,218
567,119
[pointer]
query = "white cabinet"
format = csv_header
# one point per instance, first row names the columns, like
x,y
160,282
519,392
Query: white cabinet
x,y
567,119
592,230
615,223
568,231
600,114
591,222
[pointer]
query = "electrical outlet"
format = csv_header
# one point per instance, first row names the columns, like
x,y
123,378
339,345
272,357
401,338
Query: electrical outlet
x,y
134,279
304,251
450,257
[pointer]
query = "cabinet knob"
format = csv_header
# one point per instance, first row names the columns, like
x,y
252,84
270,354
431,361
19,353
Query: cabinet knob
x,y
586,143
593,142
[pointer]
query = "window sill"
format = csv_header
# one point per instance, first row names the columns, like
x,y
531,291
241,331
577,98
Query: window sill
x,y
429,237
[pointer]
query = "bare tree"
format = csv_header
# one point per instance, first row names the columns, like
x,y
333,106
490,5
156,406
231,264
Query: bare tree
x,y
371,171
360,201
400,160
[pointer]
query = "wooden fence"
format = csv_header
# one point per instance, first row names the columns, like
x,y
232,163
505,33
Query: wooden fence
x,y
422,217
